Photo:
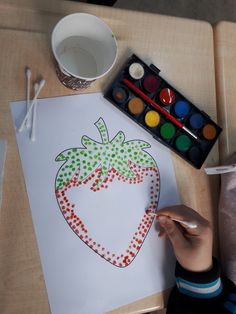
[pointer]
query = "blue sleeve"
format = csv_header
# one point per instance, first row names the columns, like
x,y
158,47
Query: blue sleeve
x,y
202,292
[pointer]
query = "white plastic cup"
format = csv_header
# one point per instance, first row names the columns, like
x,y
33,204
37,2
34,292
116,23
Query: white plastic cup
x,y
84,48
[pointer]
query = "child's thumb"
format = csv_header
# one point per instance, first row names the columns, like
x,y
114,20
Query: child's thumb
x,y
175,235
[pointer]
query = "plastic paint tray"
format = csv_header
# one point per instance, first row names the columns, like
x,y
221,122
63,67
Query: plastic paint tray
x,y
147,80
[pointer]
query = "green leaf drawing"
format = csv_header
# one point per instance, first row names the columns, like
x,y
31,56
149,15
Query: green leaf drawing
x,y
108,154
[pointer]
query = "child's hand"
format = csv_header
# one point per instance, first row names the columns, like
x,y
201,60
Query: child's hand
x,y
192,247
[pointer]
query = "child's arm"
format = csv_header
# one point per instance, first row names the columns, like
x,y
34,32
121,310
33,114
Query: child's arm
x,y
199,286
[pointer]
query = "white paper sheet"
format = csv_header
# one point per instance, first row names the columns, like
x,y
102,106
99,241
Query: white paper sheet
x,y
98,249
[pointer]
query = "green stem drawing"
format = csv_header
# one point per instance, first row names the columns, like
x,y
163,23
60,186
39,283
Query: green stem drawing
x,y
116,154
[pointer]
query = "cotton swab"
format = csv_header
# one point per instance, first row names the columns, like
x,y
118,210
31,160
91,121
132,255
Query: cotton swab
x,y
41,84
28,76
33,127
187,224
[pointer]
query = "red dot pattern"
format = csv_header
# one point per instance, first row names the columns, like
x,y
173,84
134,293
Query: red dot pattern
x,y
77,225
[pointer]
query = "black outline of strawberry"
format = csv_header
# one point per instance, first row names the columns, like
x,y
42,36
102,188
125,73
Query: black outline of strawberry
x,y
101,163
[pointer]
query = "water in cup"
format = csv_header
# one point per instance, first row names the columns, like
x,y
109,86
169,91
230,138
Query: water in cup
x,y
77,56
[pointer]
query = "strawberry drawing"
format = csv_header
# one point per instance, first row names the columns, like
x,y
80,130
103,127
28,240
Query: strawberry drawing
x,y
95,166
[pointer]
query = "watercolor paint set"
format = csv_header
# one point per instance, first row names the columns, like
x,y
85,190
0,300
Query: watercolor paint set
x,y
142,94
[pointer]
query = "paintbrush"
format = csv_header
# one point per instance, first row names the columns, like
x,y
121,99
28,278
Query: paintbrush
x,y
160,109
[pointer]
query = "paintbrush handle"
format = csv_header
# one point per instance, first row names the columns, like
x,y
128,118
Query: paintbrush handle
x,y
153,103
159,108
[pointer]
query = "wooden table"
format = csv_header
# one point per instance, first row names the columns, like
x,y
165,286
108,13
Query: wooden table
x,y
182,48
225,59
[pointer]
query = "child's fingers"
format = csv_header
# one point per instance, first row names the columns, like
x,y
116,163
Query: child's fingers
x,y
172,230
180,212
161,233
